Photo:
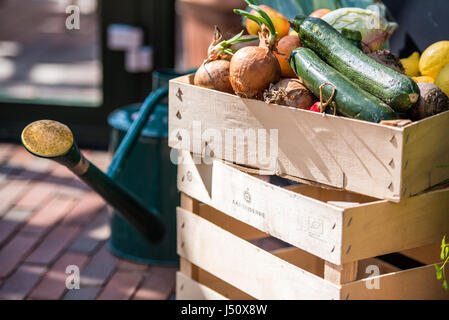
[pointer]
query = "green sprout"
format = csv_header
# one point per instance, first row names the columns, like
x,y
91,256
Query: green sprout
x,y
441,274
263,19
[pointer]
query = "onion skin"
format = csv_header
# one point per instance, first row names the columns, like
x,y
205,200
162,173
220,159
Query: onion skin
x,y
432,101
290,92
285,47
214,75
252,70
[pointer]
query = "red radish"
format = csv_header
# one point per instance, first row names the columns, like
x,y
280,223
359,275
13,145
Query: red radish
x,y
315,107
253,69
214,71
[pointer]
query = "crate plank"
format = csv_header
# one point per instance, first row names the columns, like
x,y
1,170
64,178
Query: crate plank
x,y
413,284
339,274
426,154
301,259
226,222
426,255
245,266
382,227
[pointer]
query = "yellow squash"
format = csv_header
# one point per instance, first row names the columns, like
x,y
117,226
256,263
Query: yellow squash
x,y
434,58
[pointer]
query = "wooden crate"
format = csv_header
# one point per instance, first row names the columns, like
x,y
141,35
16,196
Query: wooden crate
x,y
372,159
334,236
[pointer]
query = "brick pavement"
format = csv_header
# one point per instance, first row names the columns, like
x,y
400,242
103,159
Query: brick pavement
x,y
50,220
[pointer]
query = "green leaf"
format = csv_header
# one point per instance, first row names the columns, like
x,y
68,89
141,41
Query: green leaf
x,y
257,19
445,285
234,38
265,16
439,272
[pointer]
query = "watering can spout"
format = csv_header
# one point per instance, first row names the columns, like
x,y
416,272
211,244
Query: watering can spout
x,y
53,140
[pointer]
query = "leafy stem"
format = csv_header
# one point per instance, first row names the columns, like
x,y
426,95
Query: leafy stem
x,y
441,274
262,19
225,45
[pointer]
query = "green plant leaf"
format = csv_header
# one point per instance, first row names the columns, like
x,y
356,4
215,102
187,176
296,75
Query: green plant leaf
x,y
439,272
265,16
445,285
257,19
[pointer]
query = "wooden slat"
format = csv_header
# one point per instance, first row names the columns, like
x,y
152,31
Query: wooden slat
x,y
230,224
382,227
339,274
188,289
341,152
188,269
426,255
425,160
221,287
364,272
301,259
244,265
414,284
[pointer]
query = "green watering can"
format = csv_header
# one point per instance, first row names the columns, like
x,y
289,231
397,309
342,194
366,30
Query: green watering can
x,y
143,225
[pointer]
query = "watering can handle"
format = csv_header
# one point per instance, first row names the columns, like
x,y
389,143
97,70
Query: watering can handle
x,y
133,133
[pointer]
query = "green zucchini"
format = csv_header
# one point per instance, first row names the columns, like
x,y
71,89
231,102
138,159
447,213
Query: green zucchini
x,y
396,89
351,100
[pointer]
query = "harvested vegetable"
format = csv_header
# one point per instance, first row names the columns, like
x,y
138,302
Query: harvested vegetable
x,y
285,47
397,90
411,64
354,36
214,71
319,13
434,58
280,23
315,107
423,79
432,101
253,69
351,100
371,22
290,92
442,79
388,59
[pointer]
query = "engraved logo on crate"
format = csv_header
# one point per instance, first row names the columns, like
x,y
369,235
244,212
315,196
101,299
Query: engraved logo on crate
x,y
189,176
247,196
315,227
245,202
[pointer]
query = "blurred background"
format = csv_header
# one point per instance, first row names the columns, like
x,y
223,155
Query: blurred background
x,y
76,61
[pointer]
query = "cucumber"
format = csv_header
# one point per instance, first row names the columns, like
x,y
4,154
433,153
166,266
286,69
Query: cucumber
x,y
351,100
396,89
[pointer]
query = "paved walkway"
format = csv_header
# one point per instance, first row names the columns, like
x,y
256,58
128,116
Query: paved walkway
x,y
41,59
49,220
